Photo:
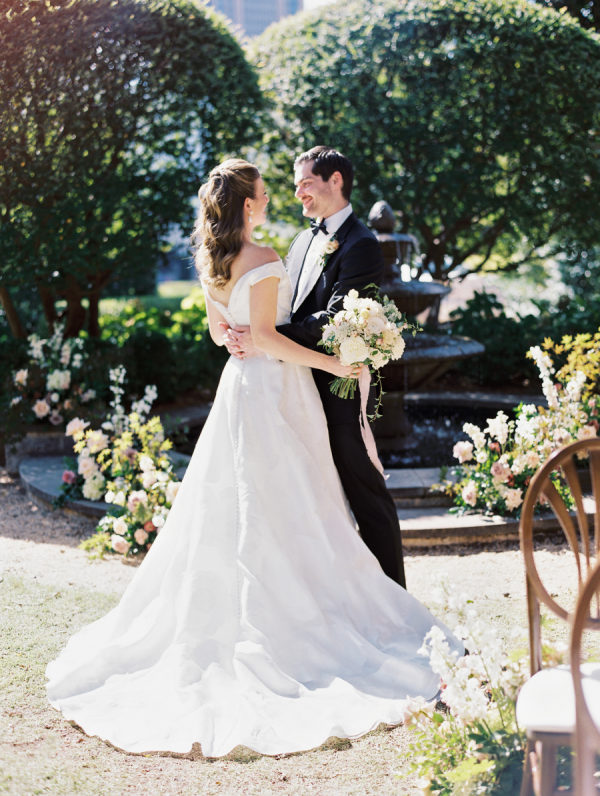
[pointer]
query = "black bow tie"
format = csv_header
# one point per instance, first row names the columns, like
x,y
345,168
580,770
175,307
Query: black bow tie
x,y
317,224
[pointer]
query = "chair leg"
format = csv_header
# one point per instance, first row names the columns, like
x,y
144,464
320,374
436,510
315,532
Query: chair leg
x,y
527,780
584,764
545,775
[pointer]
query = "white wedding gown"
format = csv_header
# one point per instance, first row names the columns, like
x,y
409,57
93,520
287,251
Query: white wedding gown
x,y
258,617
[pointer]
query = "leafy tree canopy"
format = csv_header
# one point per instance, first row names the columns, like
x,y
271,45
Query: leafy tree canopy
x,y
110,113
477,119
586,12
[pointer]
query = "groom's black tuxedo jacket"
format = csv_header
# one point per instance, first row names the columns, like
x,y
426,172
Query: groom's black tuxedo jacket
x,y
356,263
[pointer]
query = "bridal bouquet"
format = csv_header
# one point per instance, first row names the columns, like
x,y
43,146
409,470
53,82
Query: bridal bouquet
x,y
367,332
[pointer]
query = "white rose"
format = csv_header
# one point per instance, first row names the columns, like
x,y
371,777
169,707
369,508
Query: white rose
x,y
58,380
86,466
120,499
376,324
514,498
148,478
120,526
158,520
93,486
378,360
172,490
76,427
353,350
97,441
398,347
41,409
21,377
463,451
145,463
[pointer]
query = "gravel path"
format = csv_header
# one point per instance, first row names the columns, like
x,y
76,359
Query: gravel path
x,y
41,545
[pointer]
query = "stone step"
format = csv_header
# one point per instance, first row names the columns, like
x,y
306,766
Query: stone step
x,y
42,478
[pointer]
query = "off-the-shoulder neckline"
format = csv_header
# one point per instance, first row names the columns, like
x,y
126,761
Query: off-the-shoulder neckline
x,y
237,282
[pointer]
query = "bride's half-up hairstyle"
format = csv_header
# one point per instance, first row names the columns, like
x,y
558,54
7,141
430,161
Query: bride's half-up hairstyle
x,y
218,234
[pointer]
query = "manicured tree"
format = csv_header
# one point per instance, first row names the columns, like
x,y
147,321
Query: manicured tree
x,y
475,118
111,111
586,12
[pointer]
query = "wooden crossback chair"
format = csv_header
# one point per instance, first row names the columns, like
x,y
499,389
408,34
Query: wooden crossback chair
x,y
586,687
545,705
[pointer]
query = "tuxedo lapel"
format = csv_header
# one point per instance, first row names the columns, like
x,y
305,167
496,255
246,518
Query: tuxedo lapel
x,y
296,257
311,279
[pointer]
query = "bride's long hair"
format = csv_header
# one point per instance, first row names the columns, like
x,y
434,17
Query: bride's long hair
x,y
218,234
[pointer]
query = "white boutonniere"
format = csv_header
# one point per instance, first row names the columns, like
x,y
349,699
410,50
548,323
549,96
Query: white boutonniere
x,y
328,249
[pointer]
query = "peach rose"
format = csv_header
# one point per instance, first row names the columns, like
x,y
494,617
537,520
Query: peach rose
x,y
140,536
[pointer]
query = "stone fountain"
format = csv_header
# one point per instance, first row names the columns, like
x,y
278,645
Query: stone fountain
x,y
427,355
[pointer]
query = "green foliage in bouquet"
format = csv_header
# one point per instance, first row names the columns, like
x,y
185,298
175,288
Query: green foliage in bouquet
x,y
366,331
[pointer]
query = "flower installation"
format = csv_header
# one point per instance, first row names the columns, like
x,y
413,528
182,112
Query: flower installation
x,y
364,331
50,390
126,463
498,462
469,742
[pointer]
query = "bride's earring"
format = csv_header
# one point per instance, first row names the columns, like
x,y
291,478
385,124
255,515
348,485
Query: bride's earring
x,y
250,216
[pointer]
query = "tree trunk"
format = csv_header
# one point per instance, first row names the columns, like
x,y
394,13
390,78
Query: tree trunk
x,y
47,297
12,314
100,282
75,312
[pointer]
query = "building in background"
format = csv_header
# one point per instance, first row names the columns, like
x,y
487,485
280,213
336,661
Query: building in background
x,y
253,16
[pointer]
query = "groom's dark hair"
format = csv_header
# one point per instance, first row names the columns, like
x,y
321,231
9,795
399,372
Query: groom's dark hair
x,y
325,161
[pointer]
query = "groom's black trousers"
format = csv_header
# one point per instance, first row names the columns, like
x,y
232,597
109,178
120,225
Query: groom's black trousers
x,y
369,498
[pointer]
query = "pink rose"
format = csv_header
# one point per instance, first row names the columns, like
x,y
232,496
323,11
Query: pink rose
x,y
469,493
135,499
119,545
149,526
500,471
140,536
69,477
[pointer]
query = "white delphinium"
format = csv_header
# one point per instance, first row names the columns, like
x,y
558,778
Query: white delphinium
x,y
476,435
58,380
498,427
144,405
546,369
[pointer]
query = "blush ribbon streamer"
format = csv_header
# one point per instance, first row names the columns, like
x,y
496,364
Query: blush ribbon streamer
x,y
364,384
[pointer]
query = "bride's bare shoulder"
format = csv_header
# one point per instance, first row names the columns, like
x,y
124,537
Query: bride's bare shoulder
x,y
260,255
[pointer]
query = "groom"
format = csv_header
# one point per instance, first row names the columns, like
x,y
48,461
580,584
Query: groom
x,y
336,254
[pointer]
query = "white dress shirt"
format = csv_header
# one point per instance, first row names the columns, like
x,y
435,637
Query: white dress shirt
x,y
310,271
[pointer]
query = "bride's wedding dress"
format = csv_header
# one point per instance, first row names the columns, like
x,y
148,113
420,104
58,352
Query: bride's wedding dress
x,y
258,617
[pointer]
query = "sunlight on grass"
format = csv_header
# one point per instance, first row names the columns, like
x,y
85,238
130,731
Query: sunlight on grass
x,y
167,297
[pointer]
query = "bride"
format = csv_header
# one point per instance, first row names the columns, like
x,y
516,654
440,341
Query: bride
x,y
259,617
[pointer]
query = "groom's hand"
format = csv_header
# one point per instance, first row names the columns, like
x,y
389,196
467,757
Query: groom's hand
x,y
238,341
